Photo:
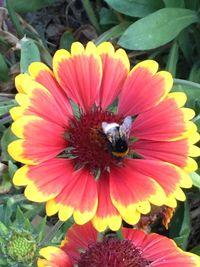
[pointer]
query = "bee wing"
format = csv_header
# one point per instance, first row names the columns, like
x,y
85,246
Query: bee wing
x,y
109,127
125,127
104,126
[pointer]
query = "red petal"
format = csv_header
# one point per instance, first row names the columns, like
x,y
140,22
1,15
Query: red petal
x,y
143,88
43,75
164,122
79,73
115,69
106,214
54,257
42,140
175,152
160,250
131,191
78,238
80,193
167,175
50,176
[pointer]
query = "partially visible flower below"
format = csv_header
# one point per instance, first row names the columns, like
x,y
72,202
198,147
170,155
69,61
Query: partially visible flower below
x,y
99,141
83,248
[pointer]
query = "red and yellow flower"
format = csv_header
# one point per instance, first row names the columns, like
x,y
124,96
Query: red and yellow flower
x,y
83,248
66,156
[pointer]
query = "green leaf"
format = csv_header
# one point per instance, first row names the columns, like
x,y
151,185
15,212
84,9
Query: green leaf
x,y
196,119
107,16
135,8
66,40
3,229
180,225
195,179
33,210
29,53
195,72
3,262
157,28
184,40
22,6
40,229
172,3
114,32
194,42
10,208
194,4
4,73
172,59
6,105
191,89
7,138
27,225
12,168
196,250
45,55
14,18
19,216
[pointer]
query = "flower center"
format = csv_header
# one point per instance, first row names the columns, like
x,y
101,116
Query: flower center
x,y
21,247
89,145
112,252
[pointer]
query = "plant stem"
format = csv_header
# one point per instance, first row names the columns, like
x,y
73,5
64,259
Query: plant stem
x,y
91,14
52,233
5,119
196,118
187,83
112,33
14,18
7,96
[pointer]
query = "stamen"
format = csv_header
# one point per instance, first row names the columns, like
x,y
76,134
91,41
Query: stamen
x,y
112,252
90,146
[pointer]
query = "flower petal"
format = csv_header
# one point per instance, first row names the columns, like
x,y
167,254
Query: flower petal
x,y
78,197
42,140
79,73
175,152
160,250
165,122
17,112
44,181
43,75
132,192
54,257
78,238
115,69
37,100
143,81
168,176
106,214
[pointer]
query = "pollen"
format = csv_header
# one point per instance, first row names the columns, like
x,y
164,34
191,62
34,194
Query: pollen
x,y
89,144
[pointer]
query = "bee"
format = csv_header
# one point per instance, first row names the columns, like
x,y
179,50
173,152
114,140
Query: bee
x,y
118,136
